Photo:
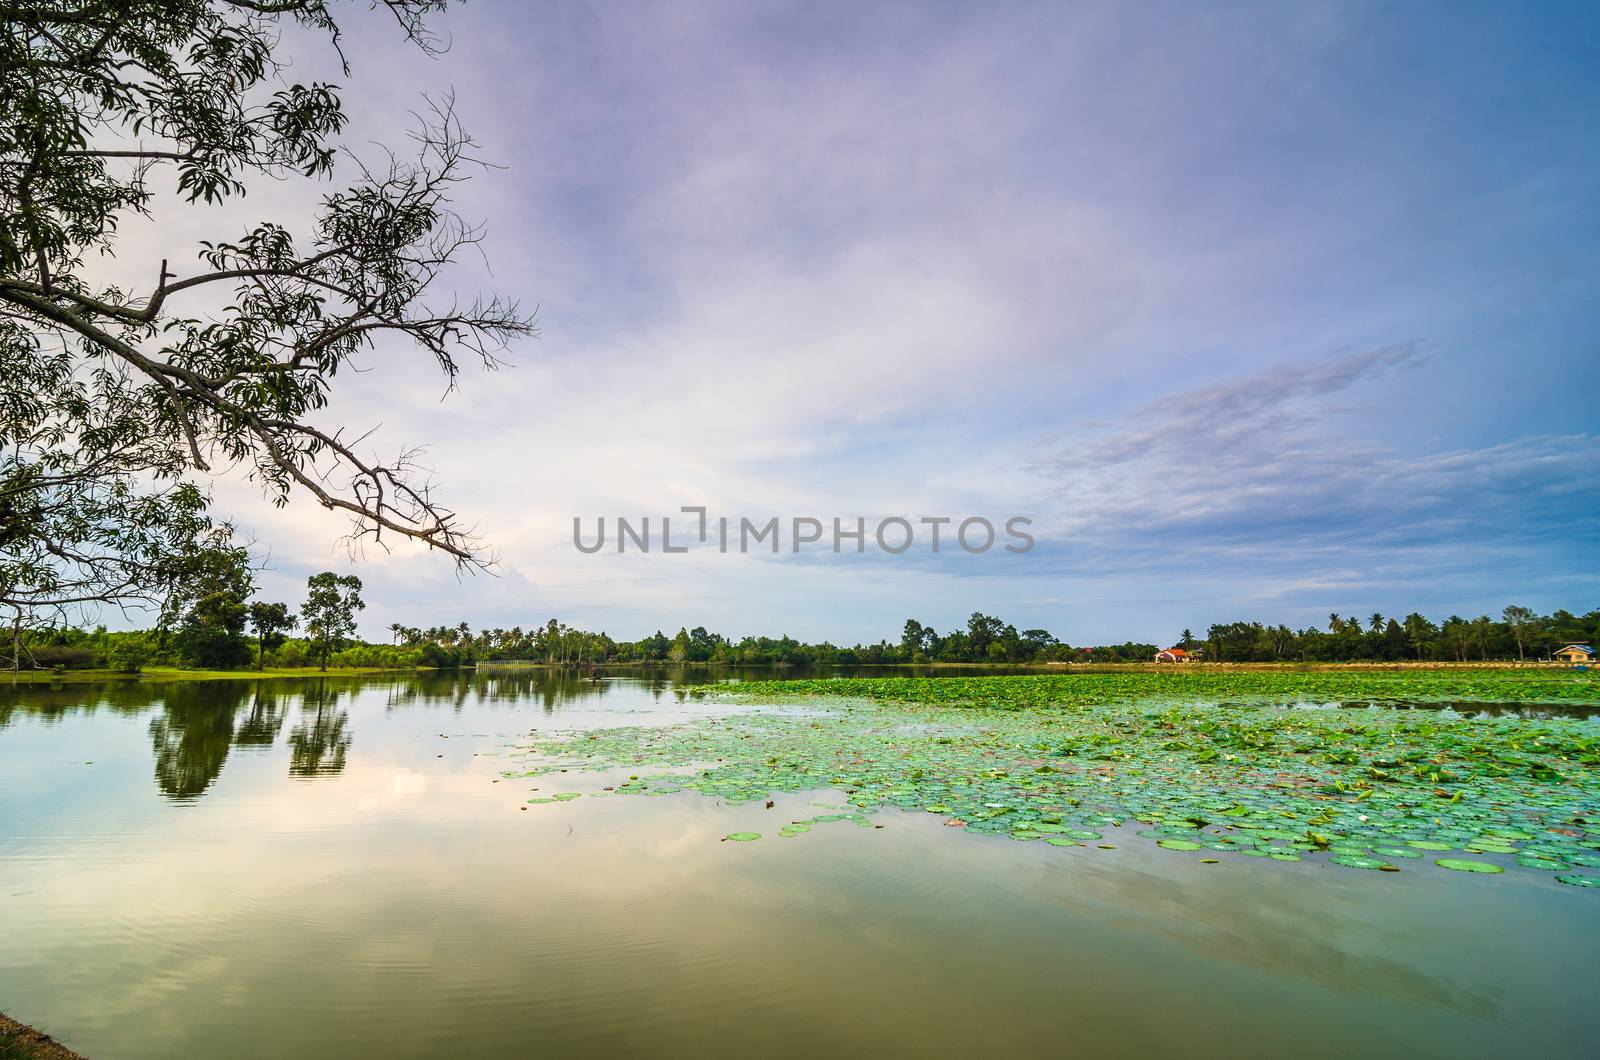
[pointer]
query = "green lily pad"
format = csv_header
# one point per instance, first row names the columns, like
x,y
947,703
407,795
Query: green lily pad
x,y
1572,879
1463,865
742,837
1207,761
1356,861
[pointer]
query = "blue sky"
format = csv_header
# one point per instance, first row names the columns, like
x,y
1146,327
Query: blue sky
x,y
1258,310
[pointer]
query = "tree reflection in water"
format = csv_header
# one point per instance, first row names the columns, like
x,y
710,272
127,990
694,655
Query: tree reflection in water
x,y
261,726
200,722
317,745
191,737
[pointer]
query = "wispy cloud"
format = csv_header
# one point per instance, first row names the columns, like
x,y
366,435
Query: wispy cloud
x,y
1080,262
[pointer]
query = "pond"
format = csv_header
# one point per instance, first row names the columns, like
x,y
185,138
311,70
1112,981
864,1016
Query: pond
x,y
342,867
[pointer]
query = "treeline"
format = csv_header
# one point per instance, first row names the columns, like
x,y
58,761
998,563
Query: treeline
x,y
985,639
214,624
225,630
1518,633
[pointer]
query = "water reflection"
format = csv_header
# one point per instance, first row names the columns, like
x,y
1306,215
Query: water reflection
x,y
318,744
195,724
262,723
192,736
465,921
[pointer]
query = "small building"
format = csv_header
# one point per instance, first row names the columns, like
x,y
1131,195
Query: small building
x,y
1576,653
1173,655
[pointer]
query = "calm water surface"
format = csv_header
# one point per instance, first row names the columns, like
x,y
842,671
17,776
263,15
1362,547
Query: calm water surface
x,y
335,868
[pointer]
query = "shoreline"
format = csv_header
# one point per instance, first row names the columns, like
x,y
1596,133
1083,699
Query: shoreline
x,y
159,674
26,1043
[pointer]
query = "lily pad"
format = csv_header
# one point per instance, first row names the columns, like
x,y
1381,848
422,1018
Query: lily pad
x,y
1204,761
742,837
1463,865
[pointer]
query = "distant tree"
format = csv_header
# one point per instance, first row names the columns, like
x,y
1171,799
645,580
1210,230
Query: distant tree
x,y
129,653
210,608
269,622
1419,633
911,638
1517,618
1036,643
982,630
329,613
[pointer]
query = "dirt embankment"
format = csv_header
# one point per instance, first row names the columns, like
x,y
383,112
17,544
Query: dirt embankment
x,y
25,1043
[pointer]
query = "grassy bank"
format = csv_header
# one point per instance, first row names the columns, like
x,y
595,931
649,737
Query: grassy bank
x,y
20,1042
1196,675
173,673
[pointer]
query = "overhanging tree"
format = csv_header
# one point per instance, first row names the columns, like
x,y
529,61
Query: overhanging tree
x,y
113,401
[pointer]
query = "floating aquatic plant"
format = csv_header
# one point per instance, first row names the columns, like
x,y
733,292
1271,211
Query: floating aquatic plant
x,y
1463,865
1264,778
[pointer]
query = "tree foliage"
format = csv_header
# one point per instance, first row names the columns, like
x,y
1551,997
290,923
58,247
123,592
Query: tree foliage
x,y
329,613
211,609
112,400
269,622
